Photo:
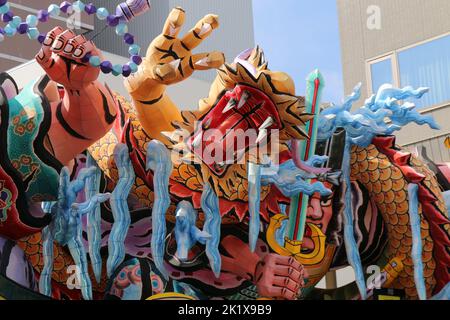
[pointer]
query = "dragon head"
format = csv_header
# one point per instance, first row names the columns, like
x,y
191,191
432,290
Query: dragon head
x,y
251,114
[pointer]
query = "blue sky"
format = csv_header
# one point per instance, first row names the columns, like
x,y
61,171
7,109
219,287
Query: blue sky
x,y
298,36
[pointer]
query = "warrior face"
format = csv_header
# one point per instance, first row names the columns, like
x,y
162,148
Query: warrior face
x,y
320,212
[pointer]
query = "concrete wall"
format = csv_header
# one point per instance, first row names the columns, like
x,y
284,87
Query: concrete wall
x,y
403,23
19,49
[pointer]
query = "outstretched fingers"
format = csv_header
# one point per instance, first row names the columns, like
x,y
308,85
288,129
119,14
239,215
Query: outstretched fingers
x,y
201,31
206,61
174,22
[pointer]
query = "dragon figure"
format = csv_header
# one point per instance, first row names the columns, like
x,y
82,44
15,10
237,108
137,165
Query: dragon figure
x,y
159,219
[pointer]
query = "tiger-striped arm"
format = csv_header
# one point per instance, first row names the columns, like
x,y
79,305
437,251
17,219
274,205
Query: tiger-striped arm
x,y
169,60
88,110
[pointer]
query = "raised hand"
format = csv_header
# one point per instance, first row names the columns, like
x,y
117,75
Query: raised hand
x,y
88,110
279,277
169,59
62,57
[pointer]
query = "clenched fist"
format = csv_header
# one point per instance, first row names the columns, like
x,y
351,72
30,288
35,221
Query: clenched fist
x,y
279,277
62,58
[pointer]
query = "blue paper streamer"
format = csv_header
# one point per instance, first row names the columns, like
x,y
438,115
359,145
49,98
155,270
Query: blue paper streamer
x,y
254,202
213,219
159,161
120,210
416,251
94,232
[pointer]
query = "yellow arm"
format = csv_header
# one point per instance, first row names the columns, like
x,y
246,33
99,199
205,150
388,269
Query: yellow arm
x,y
169,60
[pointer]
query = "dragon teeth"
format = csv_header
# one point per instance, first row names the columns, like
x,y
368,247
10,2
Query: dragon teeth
x,y
269,122
197,141
261,136
231,104
244,99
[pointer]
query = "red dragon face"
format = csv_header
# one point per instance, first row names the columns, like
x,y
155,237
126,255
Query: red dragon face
x,y
242,111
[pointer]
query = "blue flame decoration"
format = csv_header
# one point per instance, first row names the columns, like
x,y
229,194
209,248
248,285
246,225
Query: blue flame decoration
x,y
444,295
159,161
213,219
280,234
351,246
254,202
316,161
291,180
184,288
361,126
416,251
186,232
446,196
45,280
76,246
66,228
94,232
368,121
119,207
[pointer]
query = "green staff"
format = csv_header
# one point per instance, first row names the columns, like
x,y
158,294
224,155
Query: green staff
x,y
299,203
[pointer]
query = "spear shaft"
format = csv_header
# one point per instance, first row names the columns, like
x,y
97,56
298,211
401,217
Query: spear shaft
x,y
307,148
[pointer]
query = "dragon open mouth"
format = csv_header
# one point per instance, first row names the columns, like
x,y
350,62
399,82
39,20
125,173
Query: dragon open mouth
x,y
242,119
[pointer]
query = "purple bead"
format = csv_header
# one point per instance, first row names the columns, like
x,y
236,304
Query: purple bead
x,y
86,57
128,38
90,8
106,67
136,59
126,70
43,15
113,21
2,31
7,17
22,28
65,6
42,37
3,2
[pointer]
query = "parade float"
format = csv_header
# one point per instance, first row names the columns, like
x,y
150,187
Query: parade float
x,y
257,193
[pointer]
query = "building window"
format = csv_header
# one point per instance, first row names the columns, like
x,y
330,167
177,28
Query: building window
x,y
427,65
381,72
423,65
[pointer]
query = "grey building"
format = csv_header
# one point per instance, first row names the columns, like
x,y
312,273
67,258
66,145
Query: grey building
x,y
403,42
19,49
